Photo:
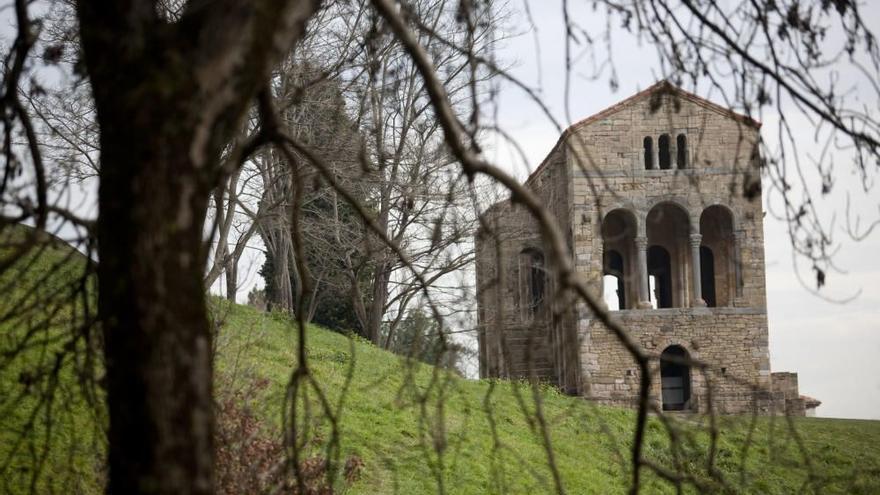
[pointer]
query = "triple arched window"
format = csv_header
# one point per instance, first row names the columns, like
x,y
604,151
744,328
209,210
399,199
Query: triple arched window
x,y
666,154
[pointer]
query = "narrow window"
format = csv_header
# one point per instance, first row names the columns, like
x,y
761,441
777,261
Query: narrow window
x,y
536,282
649,153
532,281
614,289
681,151
707,276
660,269
663,149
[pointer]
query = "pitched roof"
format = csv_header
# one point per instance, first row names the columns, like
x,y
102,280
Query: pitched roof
x,y
662,86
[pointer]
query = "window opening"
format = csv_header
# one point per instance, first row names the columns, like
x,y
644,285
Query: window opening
x,y
707,276
536,282
681,151
663,149
660,270
675,378
614,289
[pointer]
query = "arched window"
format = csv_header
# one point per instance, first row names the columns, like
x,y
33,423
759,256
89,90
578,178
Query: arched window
x,y
681,151
663,149
533,280
675,379
659,277
720,278
707,276
618,265
667,227
614,290
648,144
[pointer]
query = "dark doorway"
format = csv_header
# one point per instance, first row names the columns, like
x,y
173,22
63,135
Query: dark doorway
x,y
707,276
675,379
660,268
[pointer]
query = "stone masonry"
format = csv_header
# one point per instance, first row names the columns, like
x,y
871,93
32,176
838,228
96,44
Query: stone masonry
x,y
660,198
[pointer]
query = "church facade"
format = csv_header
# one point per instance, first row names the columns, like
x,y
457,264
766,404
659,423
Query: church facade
x,y
659,197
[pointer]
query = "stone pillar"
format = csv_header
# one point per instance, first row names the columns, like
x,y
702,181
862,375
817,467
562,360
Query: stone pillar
x,y
600,252
642,250
673,153
655,155
697,285
737,262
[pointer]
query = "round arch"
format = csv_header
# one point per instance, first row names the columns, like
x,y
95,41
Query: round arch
x,y
718,255
675,378
618,231
718,203
668,226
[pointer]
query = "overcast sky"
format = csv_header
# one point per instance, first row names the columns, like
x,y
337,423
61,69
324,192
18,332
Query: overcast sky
x,y
834,348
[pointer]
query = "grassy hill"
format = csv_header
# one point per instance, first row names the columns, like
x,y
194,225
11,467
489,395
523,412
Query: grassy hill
x,y
413,428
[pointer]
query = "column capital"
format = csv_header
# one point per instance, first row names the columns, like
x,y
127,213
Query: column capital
x,y
696,239
641,242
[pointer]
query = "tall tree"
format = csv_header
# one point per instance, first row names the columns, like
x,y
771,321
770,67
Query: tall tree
x,y
170,91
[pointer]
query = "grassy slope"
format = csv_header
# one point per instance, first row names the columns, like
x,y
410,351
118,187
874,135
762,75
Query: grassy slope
x,y
384,423
46,446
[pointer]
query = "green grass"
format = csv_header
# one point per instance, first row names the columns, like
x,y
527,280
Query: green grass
x,y
383,422
396,415
51,439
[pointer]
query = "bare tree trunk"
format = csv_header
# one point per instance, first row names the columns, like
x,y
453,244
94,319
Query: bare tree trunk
x,y
231,279
157,340
377,302
169,98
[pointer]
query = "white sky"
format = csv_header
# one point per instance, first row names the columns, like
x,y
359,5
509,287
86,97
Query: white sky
x,y
834,348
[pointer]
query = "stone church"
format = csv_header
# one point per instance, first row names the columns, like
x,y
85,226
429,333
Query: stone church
x,y
660,198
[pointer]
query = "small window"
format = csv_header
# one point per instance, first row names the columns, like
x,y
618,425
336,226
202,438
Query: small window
x,y
659,277
533,278
681,151
649,153
663,149
675,379
536,283
707,276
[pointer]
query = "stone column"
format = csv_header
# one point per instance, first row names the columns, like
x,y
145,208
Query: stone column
x,y
697,285
737,262
655,155
642,250
673,153
600,252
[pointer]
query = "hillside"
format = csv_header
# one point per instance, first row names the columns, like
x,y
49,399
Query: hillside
x,y
383,423
394,416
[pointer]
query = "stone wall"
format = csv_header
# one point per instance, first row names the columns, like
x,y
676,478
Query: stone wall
x,y
786,395
732,341
513,342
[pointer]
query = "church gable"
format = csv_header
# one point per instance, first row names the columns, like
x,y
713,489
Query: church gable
x,y
660,128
